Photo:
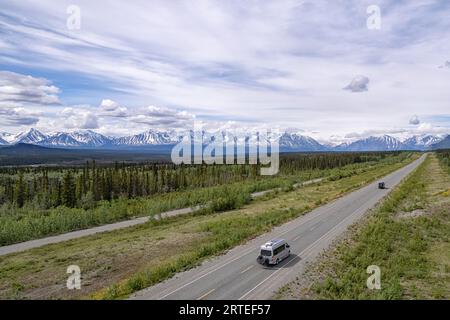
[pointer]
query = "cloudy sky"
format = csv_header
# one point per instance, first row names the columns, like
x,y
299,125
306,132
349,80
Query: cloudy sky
x,y
310,66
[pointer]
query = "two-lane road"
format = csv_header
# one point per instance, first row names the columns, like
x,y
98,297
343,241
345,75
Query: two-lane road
x,y
236,275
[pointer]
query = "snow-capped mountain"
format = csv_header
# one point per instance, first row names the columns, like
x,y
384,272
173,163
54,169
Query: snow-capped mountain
x,y
422,142
91,138
383,143
289,141
31,136
443,144
85,139
7,137
150,137
61,139
3,142
295,141
341,147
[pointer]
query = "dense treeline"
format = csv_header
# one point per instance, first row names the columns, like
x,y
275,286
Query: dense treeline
x,y
49,187
290,163
33,220
444,156
73,187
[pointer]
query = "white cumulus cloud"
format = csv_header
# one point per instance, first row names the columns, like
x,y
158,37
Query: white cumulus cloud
x,y
23,89
163,117
79,118
18,116
110,108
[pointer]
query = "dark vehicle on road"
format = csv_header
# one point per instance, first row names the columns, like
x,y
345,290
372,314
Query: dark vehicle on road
x,y
381,185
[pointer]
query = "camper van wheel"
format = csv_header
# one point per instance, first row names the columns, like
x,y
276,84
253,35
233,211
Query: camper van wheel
x,y
277,261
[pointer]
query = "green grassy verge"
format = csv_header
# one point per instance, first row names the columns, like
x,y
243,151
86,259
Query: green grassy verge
x,y
407,236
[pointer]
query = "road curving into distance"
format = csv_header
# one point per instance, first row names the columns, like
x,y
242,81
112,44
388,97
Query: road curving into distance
x,y
236,275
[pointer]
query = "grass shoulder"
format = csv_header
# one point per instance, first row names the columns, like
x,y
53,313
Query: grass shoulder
x,y
407,236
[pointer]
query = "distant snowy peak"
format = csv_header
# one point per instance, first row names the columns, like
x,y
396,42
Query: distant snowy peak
x,y
391,143
149,137
3,142
7,137
91,138
289,141
422,141
387,143
341,147
31,136
444,143
298,142
383,143
76,139
61,139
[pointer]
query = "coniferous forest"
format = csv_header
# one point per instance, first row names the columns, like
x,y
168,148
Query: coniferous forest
x,y
39,201
50,187
444,156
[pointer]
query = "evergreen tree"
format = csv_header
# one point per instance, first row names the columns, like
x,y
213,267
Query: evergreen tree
x,y
68,190
20,191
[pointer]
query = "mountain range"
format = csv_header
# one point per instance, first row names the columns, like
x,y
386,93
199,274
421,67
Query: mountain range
x,y
89,139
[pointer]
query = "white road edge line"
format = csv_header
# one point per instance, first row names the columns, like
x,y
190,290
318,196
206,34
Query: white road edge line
x,y
307,219
248,251
301,253
208,273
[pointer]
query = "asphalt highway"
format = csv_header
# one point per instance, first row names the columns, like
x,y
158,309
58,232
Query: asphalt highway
x,y
236,274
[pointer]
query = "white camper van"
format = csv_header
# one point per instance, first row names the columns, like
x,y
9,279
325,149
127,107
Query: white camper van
x,y
273,252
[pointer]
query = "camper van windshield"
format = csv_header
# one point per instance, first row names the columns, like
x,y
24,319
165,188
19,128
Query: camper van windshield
x,y
266,253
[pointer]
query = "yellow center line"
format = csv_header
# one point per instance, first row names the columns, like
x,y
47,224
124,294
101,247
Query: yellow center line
x,y
206,294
